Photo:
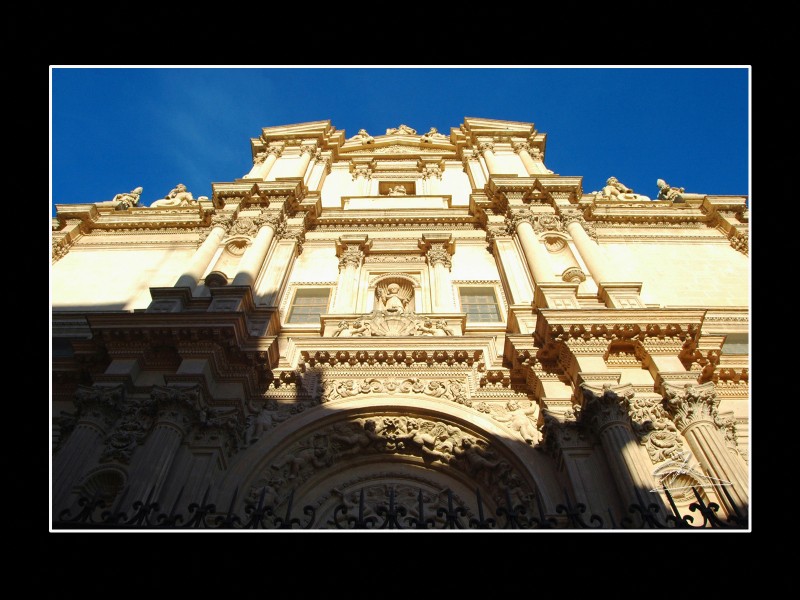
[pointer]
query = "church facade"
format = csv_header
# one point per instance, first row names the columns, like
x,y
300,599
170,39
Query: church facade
x,y
412,320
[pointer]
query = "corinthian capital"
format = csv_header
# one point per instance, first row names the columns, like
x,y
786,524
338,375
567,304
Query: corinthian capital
x,y
351,255
438,254
484,146
605,406
691,403
276,150
520,146
308,148
516,217
222,220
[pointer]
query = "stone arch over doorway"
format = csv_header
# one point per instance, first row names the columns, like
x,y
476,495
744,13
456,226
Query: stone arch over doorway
x,y
329,455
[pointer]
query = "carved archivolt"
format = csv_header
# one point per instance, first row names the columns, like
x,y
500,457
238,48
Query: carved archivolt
x,y
412,278
436,444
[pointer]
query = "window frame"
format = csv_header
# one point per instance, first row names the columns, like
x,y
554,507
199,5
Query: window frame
x,y
497,304
292,305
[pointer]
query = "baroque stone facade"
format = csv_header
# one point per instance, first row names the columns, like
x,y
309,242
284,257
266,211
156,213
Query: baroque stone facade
x,y
412,315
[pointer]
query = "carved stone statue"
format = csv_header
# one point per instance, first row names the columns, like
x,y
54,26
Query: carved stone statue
x,y
665,192
125,200
402,130
432,135
442,328
343,330
519,420
393,298
616,190
363,137
178,196
397,190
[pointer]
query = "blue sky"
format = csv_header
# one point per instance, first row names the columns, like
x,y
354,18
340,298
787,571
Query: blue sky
x,y
116,129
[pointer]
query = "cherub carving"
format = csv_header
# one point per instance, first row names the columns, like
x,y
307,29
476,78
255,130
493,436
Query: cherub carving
x,y
393,298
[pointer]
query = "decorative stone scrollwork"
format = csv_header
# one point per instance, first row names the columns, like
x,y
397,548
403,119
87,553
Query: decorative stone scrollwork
x,y
222,220
450,390
382,324
692,403
130,431
259,158
576,216
60,249
438,254
494,231
484,146
308,149
547,223
559,430
652,425
741,243
351,255
276,150
434,442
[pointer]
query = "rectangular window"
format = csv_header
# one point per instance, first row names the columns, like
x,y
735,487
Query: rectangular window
x,y
308,305
480,304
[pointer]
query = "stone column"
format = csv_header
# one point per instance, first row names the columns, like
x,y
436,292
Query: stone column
x,y
535,254
487,150
694,410
523,148
98,409
351,250
431,175
177,408
588,249
253,259
202,257
439,259
307,152
264,162
606,411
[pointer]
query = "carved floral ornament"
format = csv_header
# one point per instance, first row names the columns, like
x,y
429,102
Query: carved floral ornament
x,y
438,254
671,333
351,255
435,443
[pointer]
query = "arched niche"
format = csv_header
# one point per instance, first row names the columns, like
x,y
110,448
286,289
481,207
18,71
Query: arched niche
x,y
408,292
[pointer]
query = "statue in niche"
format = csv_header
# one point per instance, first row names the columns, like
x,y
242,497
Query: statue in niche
x,y
616,190
665,192
402,130
432,135
394,298
363,137
397,190
178,196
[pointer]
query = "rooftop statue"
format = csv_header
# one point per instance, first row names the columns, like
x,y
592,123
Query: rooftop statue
x,y
616,190
124,201
432,135
402,130
665,192
363,137
178,196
